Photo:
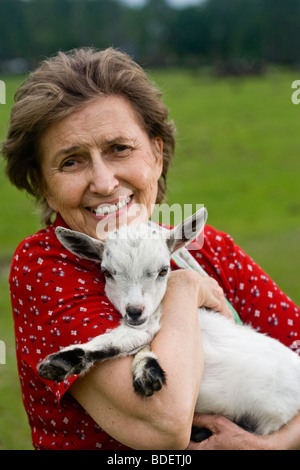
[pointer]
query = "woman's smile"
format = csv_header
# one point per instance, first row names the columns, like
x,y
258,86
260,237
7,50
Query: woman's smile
x,y
110,207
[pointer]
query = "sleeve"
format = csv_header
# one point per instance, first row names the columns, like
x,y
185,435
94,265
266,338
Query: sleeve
x,y
57,300
255,296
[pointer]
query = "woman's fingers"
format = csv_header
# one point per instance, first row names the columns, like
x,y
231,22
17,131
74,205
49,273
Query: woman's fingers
x,y
211,295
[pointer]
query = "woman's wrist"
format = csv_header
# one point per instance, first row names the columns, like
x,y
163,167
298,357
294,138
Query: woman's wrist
x,y
188,281
286,438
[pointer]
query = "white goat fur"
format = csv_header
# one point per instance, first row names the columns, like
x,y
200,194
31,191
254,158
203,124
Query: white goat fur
x,y
248,376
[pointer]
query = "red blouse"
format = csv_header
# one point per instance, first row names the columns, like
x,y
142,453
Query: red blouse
x,y
59,299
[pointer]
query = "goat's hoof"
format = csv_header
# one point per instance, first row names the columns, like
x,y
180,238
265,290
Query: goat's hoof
x,y
60,365
200,434
150,379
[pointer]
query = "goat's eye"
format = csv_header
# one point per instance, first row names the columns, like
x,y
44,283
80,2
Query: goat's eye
x,y
107,274
164,271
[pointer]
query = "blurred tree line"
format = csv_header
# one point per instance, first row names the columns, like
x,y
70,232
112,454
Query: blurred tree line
x,y
216,31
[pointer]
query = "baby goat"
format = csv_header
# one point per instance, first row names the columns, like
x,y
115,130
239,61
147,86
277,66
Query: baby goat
x,y
248,377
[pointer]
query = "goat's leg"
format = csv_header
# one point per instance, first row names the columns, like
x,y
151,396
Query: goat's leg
x,y
77,359
148,376
72,360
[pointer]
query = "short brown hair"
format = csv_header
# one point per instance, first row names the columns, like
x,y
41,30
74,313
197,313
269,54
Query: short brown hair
x,y
63,84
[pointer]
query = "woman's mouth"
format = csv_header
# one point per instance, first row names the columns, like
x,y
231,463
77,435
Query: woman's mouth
x,y
105,209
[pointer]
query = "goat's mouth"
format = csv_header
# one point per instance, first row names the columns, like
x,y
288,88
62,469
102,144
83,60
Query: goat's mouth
x,y
135,323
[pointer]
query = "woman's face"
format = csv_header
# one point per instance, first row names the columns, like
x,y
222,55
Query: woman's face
x,y
98,164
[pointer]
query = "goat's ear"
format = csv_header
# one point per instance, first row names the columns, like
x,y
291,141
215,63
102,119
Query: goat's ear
x,y
80,244
187,231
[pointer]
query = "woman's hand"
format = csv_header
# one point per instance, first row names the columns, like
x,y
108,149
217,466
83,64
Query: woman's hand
x,y
226,435
210,294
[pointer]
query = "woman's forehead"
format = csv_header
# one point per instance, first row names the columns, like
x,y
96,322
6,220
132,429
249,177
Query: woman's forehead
x,y
105,120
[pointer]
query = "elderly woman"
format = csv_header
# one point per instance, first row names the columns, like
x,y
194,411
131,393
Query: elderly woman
x,y
89,138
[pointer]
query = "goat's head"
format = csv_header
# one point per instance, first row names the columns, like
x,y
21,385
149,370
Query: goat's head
x,y
135,261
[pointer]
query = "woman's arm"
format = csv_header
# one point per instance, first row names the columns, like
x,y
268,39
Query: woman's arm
x,y
164,420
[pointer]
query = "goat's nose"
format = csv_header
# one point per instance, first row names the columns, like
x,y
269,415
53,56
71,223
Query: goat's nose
x,y
134,312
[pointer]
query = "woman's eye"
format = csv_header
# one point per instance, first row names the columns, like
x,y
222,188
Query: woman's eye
x,y
72,164
122,150
68,164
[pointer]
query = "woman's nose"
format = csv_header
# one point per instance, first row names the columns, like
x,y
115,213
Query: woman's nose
x,y
103,180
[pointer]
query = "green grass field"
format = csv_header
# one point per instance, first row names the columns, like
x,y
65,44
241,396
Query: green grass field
x,y
238,153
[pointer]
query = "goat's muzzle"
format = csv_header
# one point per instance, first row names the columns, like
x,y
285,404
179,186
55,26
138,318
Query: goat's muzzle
x,y
133,315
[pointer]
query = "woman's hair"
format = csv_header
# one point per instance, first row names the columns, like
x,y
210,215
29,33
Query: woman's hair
x,y
65,83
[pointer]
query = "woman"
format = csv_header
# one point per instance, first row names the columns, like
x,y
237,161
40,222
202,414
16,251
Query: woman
x,y
89,138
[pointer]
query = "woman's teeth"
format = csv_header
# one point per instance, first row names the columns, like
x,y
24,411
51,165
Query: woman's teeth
x,y
103,210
